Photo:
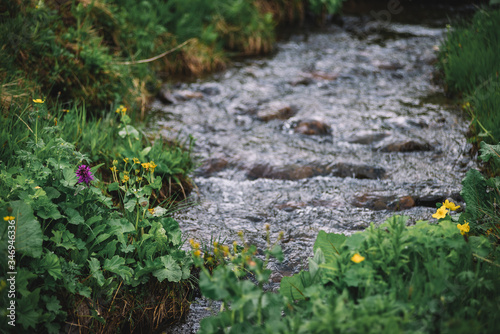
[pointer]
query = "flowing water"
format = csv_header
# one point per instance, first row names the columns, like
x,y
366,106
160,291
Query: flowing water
x,y
337,129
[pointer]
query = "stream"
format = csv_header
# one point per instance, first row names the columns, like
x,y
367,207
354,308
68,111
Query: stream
x,y
338,128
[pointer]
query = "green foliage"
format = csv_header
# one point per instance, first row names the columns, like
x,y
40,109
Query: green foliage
x,y
471,66
71,240
319,6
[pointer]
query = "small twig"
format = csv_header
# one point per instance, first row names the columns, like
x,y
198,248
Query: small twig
x,y
109,309
484,259
24,123
142,61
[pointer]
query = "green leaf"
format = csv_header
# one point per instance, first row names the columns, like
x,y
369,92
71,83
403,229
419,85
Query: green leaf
x,y
130,205
52,303
50,262
28,230
293,287
171,271
113,186
117,265
129,130
95,271
70,178
95,168
27,310
73,216
330,244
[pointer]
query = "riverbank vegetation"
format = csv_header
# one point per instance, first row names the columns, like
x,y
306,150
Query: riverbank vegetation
x,y
471,67
86,195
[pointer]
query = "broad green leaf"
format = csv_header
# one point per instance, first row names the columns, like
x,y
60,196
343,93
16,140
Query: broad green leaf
x,y
293,287
117,265
330,244
73,216
171,271
113,186
95,271
28,230
121,226
129,130
95,168
51,263
70,178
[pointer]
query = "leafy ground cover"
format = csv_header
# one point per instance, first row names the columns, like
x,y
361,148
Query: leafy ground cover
x,y
86,196
95,247
104,52
432,277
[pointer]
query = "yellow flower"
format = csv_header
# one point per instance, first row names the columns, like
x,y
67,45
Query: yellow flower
x,y
440,213
356,258
37,187
152,165
113,169
450,205
464,228
125,178
136,161
197,253
65,110
146,165
126,160
139,178
121,110
7,218
38,100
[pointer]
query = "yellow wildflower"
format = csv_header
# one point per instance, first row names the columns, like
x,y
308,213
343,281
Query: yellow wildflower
x,y
152,165
356,258
197,253
38,101
121,110
136,161
65,110
464,228
146,165
151,211
450,205
7,218
125,178
139,178
126,160
113,169
440,213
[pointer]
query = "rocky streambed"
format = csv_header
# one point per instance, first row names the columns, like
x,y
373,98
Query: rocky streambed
x,y
339,128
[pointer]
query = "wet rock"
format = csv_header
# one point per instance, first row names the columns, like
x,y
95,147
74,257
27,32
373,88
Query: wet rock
x,y
380,202
324,76
210,89
289,172
275,110
357,171
184,95
406,146
212,165
367,138
302,81
312,127
389,66
291,206
167,96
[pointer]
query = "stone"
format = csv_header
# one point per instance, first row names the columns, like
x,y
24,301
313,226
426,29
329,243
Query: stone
x,y
312,127
406,146
210,89
367,138
342,169
289,172
212,165
275,110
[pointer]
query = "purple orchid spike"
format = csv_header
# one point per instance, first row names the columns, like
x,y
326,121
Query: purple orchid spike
x,y
84,175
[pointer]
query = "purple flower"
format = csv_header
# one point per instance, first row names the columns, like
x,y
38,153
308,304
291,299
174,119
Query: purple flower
x,y
84,175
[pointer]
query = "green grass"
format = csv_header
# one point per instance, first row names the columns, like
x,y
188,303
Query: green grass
x,y
471,66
